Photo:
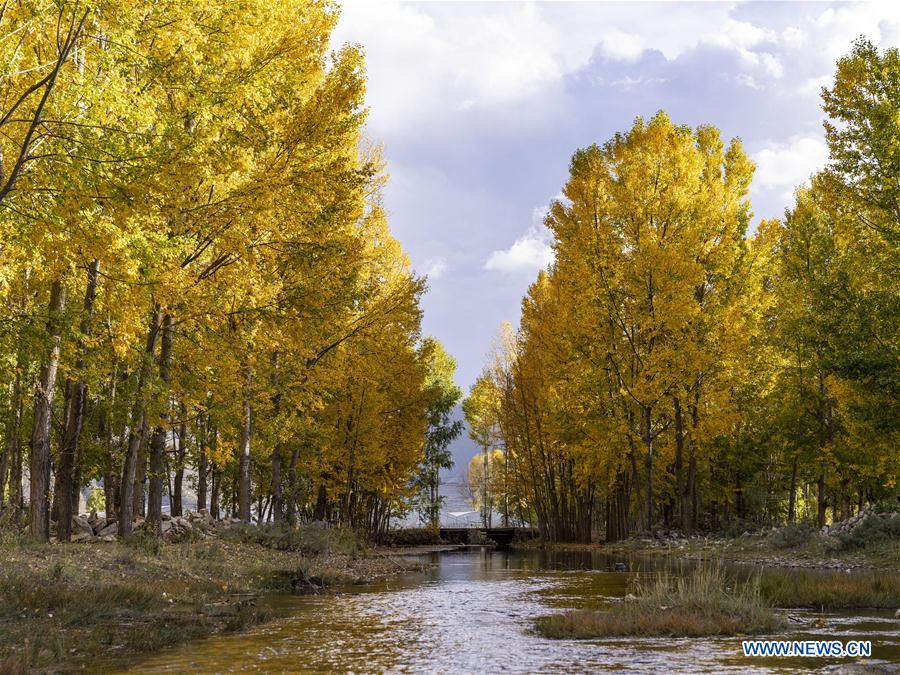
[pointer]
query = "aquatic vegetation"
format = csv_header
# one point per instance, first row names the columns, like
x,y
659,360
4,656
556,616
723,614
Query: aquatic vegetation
x,y
830,590
704,602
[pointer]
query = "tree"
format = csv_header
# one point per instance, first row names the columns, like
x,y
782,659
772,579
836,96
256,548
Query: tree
x,y
443,395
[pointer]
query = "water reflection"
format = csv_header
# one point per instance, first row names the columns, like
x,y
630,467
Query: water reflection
x,y
472,613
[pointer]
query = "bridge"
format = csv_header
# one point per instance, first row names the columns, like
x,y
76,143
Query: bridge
x,y
501,536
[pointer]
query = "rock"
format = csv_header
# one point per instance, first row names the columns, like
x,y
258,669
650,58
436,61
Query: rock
x,y
108,537
84,536
897,614
110,530
167,516
166,526
80,525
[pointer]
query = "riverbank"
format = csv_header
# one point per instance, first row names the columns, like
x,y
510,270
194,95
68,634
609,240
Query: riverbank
x,y
760,549
814,552
787,569
70,606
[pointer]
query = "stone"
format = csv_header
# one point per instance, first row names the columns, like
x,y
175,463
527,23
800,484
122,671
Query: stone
x,y
84,536
110,530
80,525
166,526
108,537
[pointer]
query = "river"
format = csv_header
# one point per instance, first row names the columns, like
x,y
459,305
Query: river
x,y
472,612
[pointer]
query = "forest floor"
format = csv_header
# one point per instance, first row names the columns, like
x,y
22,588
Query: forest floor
x,y
68,607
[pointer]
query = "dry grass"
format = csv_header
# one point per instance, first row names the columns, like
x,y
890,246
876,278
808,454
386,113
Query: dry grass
x,y
71,606
830,590
703,603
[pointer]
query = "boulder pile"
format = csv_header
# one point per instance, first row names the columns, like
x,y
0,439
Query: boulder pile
x,y
193,524
847,526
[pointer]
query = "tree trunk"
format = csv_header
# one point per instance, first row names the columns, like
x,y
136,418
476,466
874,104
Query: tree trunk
x,y
648,428
214,494
40,431
246,430
792,499
680,483
4,469
277,486
216,476
65,487
137,430
110,477
291,506
821,501
67,400
177,506
13,444
845,499
160,433
202,470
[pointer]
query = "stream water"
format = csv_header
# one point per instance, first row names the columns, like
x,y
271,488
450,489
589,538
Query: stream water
x,y
472,612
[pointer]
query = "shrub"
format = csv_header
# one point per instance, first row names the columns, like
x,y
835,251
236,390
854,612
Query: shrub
x,y
145,542
737,526
871,530
411,536
309,539
887,505
792,535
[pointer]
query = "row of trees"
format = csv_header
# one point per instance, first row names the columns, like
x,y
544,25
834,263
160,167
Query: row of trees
x,y
671,368
197,273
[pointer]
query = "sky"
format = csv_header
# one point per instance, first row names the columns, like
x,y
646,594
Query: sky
x,y
480,106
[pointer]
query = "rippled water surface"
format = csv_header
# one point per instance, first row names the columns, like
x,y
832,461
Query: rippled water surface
x,y
472,613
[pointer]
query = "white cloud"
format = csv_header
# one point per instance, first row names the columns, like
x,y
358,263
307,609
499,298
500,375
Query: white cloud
x,y
739,34
786,165
529,253
793,37
748,81
435,268
617,44
813,85
428,61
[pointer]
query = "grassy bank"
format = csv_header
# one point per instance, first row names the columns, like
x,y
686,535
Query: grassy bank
x,y
819,590
784,548
703,603
73,606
